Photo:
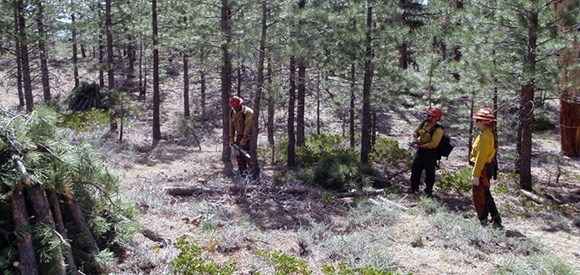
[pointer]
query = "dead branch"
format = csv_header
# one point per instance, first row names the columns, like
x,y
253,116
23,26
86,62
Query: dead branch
x,y
154,236
533,196
360,193
177,190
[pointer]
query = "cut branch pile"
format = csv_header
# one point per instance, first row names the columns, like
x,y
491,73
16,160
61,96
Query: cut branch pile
x,y
85,97
56,209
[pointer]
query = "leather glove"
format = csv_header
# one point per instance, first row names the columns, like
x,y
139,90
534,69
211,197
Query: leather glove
x,y
243,142
475,181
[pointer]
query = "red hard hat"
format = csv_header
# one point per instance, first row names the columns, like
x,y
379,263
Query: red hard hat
x,y
484,114
436,113
236,101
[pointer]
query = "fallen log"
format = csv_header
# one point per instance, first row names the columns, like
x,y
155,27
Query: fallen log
x,y
59,224
27,264
42,214
154,236
177,190
79,220
292,190
26,255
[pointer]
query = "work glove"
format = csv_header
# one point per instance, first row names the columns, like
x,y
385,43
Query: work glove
x,y
475,181
243,142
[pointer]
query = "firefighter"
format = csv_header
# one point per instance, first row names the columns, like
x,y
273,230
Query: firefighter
x,y
427,136
482,157
241,130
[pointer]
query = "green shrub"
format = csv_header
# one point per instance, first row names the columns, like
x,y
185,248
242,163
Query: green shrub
x,y
338,171
284,263
542,121
85,121
387,150
190,261
319,146
460,180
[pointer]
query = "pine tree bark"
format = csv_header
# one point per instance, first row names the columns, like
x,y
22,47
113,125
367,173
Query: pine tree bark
x,y
75,51
43,55
351,109
291,154
527,102
226,83
18,61
24,57
186,109
301,87
271,110
367,84
569,85
110,66
259,91
156,94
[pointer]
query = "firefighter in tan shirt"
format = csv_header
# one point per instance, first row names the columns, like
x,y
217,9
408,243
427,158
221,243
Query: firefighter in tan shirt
x,y
241,129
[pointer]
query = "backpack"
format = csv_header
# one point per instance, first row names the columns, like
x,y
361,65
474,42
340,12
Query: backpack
x,y
444,148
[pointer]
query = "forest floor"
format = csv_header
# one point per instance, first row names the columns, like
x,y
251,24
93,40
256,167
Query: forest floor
x,y
434,236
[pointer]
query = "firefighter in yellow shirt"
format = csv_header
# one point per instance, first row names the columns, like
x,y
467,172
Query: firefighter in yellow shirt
x,y
427,135
482,156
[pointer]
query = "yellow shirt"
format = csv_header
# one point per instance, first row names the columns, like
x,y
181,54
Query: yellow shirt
x,y
482,152
423,132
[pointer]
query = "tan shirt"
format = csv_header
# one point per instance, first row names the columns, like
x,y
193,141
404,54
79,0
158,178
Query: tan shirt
x,y
241,123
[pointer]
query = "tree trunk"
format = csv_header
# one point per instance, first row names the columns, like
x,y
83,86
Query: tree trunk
x,y
18,61
527,103
24,58
318,101
258,95
75,51
110,66
368,76
202,92
569,86
101,48
42,50
291,105
226,83
351,109
271,110
186,109
156,95
301,85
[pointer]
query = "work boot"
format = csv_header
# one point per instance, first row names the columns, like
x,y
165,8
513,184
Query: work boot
x,y
428,193
497,222
412,191
484,222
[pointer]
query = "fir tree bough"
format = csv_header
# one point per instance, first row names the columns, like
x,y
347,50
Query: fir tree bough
x,y
85,222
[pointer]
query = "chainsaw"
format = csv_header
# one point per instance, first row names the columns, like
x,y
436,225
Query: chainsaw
x,y
238,148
